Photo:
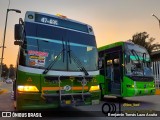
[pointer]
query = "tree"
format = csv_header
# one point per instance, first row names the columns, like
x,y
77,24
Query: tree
x,y
144,40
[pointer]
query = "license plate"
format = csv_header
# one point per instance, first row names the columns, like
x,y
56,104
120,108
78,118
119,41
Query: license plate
x,y
68,102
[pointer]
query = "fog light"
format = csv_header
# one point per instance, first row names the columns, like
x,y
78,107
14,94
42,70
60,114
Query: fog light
x,y
94,88
26,88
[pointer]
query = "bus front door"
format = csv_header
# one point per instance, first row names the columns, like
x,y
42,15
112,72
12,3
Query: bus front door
x,y
113,74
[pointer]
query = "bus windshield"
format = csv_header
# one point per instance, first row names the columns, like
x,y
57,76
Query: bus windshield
x,y
40,52
137,61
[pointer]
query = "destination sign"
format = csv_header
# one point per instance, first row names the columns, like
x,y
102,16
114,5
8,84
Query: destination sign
x,y
49,21
60,22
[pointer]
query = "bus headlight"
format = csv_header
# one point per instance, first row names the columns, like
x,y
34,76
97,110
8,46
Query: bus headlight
x,y
27,88
94,88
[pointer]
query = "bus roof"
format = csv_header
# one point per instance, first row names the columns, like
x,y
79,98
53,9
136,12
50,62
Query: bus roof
x,y
56,16
118,44
111,45
56,20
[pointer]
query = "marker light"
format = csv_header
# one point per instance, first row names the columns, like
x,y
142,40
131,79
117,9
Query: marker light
x,y
61,16
130,86
27,88
30,16
94,88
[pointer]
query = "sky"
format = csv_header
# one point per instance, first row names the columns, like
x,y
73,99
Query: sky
x,y
112,20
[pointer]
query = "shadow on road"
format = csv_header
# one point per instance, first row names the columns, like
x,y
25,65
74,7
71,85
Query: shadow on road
x,y
126,100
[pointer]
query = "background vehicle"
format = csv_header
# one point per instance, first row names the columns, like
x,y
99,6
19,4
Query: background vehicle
x,y
54,66
125,70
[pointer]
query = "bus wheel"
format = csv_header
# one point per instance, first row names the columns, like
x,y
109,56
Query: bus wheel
x,y
106,108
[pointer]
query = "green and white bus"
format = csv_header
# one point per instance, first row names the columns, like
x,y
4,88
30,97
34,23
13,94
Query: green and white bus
x,y
57,63
125,70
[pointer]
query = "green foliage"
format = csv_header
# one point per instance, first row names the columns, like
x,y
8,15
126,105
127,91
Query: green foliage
x,y
144,40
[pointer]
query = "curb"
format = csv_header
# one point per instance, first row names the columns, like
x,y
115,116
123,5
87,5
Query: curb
x,y
157,92
1,91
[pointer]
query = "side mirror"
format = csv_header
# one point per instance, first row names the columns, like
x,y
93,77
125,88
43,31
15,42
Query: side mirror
x,y
18,28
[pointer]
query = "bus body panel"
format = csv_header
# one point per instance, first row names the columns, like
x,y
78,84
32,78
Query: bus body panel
x,y
128,86
68,45
37,100
137,88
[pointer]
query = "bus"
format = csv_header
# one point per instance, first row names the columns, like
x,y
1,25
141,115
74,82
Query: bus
x,y
125,70
54,65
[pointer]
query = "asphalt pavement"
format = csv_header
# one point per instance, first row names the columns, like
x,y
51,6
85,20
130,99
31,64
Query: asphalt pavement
x,y
94,112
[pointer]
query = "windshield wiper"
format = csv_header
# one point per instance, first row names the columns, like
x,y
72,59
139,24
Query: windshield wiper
x,y
135,54
76,60
55,60
137,58
144,57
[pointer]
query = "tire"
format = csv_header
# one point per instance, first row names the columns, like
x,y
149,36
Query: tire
x,y
113,110
103,110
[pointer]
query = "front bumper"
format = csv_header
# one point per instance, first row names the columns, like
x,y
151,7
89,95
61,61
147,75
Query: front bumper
x,y
140,92
29,101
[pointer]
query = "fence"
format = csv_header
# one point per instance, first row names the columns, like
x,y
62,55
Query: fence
x,y
156,73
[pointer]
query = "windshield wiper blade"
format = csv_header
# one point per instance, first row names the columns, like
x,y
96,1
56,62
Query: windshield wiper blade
x,y
79,64
69,51
135,54
144,57
138,59
76,60
55,60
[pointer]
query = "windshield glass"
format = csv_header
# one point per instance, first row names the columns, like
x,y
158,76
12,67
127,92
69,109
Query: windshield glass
x,y
137,61
47,47
87,55
40,52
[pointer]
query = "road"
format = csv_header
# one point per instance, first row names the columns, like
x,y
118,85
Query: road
x,y
145,103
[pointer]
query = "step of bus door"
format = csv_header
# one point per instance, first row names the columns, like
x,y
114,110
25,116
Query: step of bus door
x,y
116,88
